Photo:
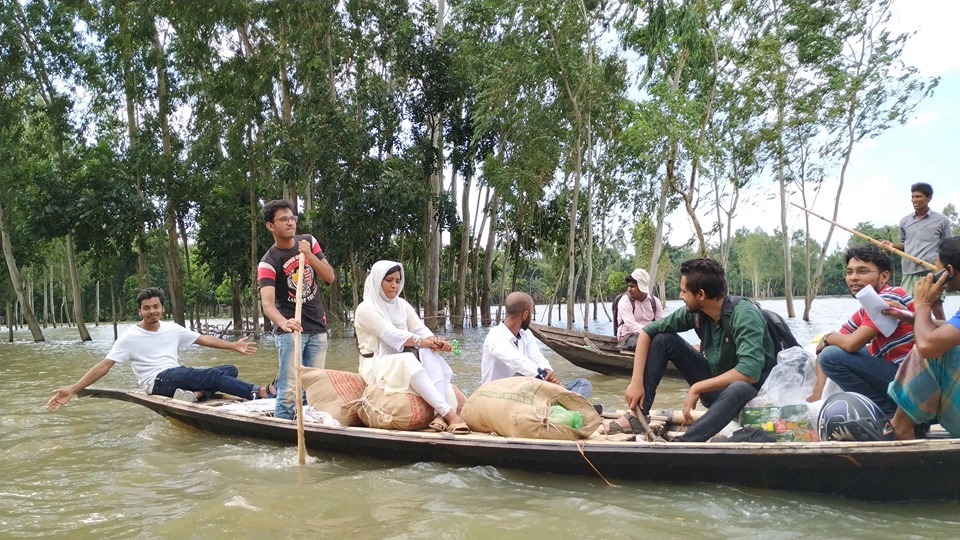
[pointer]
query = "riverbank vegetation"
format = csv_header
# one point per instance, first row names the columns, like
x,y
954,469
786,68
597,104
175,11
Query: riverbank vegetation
x,y
489,145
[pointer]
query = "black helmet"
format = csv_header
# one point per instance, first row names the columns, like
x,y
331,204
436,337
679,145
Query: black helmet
x,y
843,407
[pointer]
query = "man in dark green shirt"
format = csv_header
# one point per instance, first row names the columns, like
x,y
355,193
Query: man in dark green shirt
x,y
726,373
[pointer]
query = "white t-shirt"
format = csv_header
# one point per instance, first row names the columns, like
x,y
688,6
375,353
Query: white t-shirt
x,y
150,353
505,355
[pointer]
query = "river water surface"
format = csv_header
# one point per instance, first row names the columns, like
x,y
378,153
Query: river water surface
x,y
106,469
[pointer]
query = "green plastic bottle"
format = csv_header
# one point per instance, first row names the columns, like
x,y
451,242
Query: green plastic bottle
x,y
561,415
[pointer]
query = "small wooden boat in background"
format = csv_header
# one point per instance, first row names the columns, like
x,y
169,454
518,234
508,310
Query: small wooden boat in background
x,y
890,470
595,352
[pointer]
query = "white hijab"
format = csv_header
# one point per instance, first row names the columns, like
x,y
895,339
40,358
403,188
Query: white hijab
x,y
392,310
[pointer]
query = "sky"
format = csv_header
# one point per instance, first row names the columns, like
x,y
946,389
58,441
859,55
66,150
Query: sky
x,y
881,170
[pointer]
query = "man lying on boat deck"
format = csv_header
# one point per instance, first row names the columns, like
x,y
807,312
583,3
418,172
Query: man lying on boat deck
x,y
510,349
858,357
151,348
927,385
725,374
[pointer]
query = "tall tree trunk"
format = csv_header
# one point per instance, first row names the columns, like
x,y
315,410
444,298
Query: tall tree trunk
x,y
571,237
174,266
785,231
492,210
96,316
235,305
129,91
431,260
77,292
17,284
255,217
456,319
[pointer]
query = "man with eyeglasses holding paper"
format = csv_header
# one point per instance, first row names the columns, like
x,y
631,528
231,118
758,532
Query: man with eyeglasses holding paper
x,y
277,276
858,357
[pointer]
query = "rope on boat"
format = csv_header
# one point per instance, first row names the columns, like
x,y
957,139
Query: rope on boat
x,y
585,458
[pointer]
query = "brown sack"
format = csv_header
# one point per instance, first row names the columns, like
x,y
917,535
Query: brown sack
x,y
404,411
520,407
329,390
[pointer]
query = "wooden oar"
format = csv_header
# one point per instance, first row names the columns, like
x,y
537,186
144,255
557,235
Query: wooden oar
x,y
647,430
872,240
301,443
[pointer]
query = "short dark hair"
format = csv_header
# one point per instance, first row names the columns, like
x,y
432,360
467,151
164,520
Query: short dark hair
x,y
950,252
148,293
870,254
629,279
270,209
922,187
705,275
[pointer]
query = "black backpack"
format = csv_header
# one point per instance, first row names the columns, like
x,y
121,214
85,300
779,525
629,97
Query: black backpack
x,y
776,325
633,304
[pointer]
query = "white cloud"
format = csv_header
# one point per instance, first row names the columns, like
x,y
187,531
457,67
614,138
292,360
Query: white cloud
x,y
933,49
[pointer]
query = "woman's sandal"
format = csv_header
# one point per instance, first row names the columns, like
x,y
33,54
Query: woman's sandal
x,y
635,426
438,424
460,428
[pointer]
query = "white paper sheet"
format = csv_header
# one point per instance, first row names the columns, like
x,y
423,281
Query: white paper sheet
x,y
874,305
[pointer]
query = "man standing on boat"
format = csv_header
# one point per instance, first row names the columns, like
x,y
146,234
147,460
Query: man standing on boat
x,y
511,350
725,374
151,348
927,385
920,234
635,309
277,276
858,357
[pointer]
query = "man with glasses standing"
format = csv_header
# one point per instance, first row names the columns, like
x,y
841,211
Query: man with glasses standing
x,y
277,276
858,357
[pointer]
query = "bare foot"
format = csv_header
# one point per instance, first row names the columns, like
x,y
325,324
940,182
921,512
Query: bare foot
x,y
903,427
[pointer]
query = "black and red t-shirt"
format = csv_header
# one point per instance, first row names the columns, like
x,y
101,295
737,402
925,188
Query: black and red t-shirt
x,y
278,269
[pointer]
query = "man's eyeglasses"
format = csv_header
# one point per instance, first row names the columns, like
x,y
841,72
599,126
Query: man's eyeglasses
x,y
286,219
860,272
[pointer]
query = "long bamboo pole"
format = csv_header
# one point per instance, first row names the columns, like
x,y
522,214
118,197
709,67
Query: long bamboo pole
x,y
872,240
301,443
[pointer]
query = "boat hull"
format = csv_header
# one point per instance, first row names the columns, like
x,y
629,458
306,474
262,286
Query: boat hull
x,y
928,469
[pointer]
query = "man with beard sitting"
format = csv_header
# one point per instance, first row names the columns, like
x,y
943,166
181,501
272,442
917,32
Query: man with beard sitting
x,y
510,349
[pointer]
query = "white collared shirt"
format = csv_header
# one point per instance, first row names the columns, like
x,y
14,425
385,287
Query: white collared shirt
x,y
506,355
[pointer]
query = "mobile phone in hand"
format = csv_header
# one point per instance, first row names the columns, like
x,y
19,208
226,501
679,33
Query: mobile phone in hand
x,y
938,275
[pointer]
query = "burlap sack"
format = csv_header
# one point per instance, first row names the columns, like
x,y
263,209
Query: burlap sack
x,y
331,391
404,411
520,407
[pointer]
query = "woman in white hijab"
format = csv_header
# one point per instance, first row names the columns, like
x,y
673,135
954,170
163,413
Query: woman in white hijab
x,y
385,325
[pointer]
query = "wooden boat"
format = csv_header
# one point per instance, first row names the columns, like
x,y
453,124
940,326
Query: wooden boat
x,y
595,352
911,470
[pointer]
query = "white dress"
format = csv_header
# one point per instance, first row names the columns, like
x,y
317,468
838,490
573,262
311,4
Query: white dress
x,y
382,326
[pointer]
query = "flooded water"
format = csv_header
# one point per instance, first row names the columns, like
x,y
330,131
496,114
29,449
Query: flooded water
x,y
105,469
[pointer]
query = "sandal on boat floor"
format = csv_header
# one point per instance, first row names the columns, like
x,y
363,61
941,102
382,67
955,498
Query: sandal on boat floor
x,y
438,424
460,428
635,426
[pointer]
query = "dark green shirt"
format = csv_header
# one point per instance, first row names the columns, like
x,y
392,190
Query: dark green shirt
x,y
750,352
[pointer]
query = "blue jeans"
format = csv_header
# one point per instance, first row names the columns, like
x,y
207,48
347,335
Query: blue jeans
x,y
580,386
860,372
313,353
207,380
